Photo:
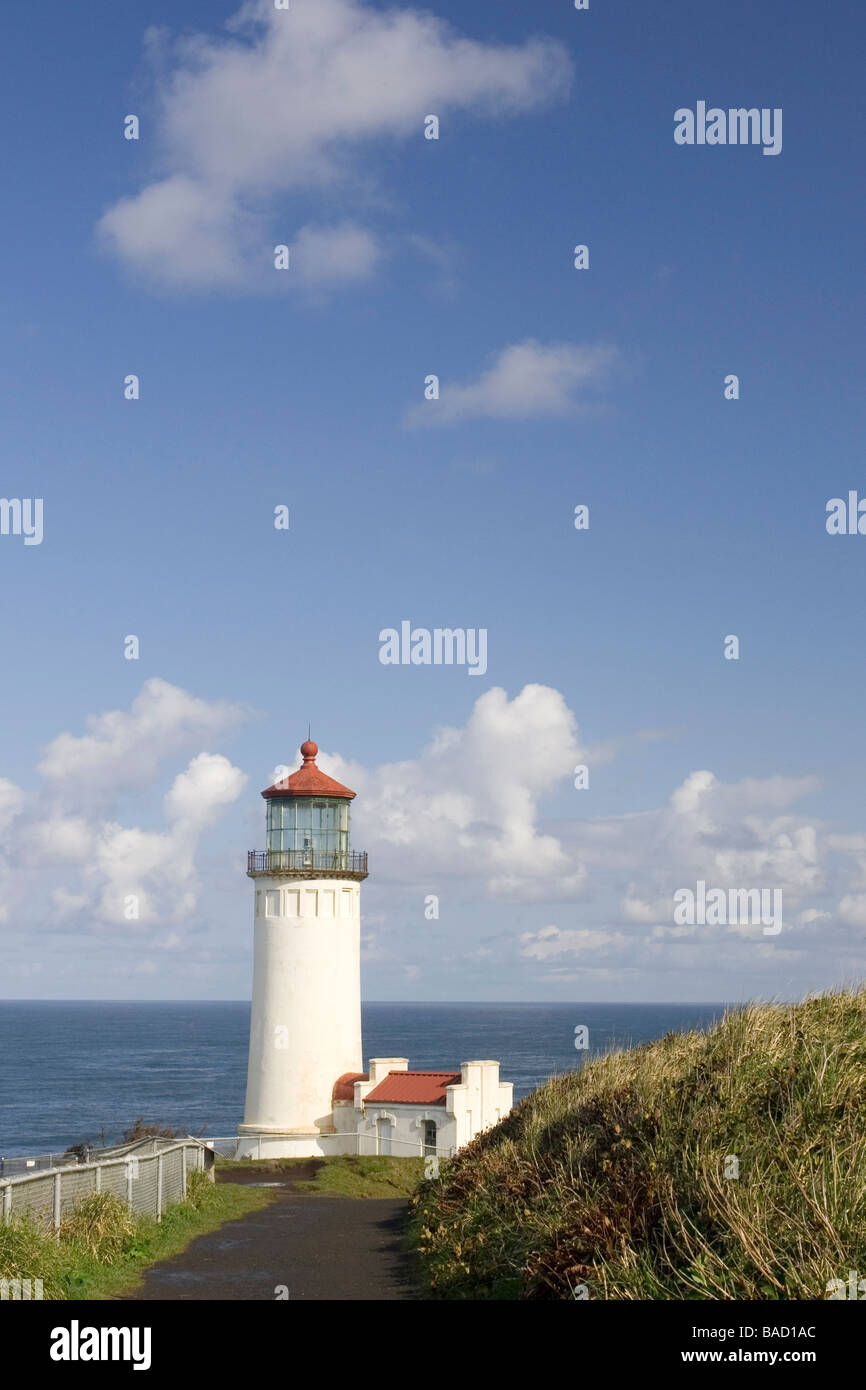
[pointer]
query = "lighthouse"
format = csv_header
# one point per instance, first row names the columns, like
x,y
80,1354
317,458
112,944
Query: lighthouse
x,y
305,1027
307,1092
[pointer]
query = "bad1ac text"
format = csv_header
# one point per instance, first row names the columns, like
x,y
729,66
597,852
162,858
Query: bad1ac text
x,y
722,1333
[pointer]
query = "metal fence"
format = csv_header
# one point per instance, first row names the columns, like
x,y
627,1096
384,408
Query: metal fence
x,y
351,1144
14,1167
70,1158
224,1146
149,1176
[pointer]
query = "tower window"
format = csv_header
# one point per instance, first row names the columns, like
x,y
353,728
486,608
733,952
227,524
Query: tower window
x,y
429,1136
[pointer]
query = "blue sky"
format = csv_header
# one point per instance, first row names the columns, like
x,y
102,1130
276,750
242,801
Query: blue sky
x,y
260,388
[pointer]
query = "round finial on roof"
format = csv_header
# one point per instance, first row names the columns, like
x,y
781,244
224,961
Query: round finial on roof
x,y
309,750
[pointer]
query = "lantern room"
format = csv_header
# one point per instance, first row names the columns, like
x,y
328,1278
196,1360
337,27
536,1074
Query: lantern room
x,y
303,825
308,825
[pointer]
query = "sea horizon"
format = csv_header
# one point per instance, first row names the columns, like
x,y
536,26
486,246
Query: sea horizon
x,y
425,1003
74,1071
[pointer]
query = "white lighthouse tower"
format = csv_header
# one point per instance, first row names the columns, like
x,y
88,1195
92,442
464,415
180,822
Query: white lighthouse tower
x,y
305,1030
307,1094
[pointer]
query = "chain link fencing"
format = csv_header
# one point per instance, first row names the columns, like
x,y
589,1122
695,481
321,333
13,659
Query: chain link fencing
x,y
149,1176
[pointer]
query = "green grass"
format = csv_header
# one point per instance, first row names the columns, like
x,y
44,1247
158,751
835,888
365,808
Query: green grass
x,y
260,1165
614,1177
343,1176
103,1250
354,1176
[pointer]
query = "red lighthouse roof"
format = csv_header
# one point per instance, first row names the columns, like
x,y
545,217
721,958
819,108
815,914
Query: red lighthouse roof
x,y
344,1086
413,1088
309,780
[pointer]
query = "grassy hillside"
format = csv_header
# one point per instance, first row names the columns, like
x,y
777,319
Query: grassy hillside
x,y
611,1182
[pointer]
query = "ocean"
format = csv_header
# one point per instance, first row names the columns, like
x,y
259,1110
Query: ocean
x,y
72,1072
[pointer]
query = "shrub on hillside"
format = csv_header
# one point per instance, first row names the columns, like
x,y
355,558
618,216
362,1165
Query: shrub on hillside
x,y
101,1224
141,1129
29,1251
200,1191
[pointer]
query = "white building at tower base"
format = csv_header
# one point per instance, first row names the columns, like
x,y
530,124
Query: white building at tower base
x,y
392,1110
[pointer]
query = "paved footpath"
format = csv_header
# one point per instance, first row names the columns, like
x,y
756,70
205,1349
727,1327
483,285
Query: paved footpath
x,y
319,1247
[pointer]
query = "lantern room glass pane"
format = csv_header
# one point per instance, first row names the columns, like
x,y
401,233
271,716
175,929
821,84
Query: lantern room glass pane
x,y
308,826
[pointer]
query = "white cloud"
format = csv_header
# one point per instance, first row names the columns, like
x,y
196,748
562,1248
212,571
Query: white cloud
x,y
635,909
527,380
65,832
181,233
11,802
125,749
550,942
210,782
728,834
172,942
158,867
328,255
60,837
289,102
852,909
464,818
469,805
686,800
67,904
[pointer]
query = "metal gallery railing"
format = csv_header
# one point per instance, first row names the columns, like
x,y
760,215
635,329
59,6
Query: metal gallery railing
x,y
299,861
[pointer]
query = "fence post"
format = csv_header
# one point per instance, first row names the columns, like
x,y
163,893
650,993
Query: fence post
x,y
159,1187
57,1180
183,1170
7,1201
98,1178
129,1184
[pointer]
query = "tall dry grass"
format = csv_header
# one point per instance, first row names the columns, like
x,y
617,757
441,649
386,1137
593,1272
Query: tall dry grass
x,y
613,1179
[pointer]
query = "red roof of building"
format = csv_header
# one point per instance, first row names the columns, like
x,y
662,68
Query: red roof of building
x,y
413,1087
344,1086
309,780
